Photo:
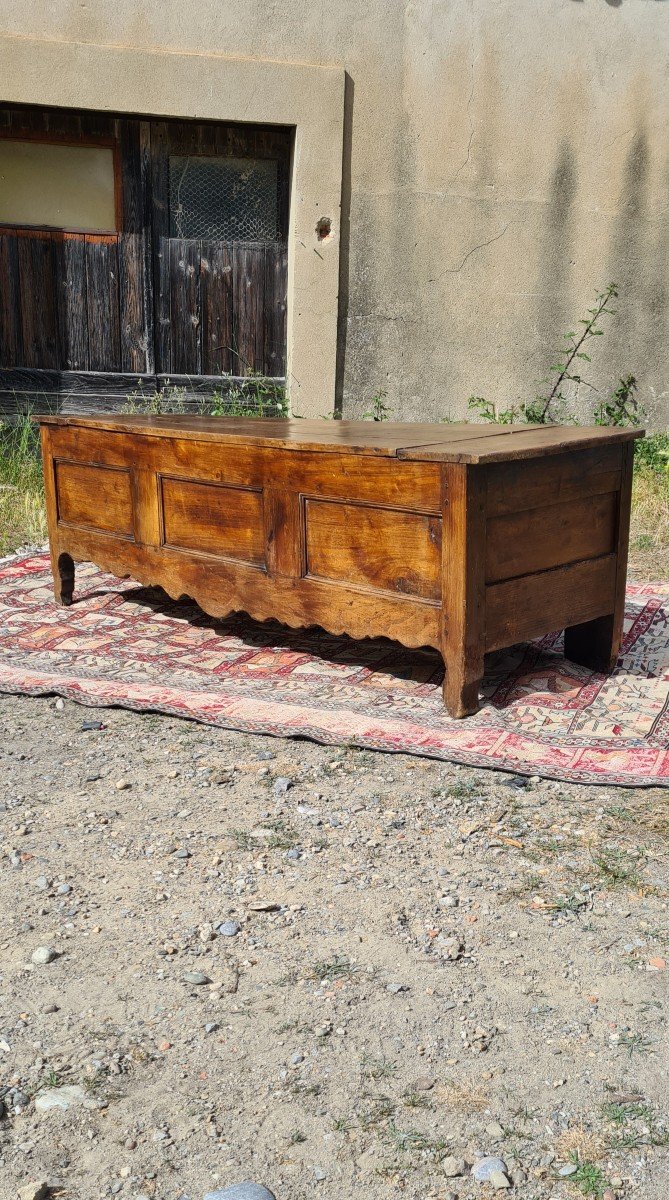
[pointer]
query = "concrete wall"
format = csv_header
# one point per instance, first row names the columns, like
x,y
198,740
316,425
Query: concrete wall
x,y
502,160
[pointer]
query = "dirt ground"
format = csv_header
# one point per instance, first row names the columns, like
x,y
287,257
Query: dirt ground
x,y
422,964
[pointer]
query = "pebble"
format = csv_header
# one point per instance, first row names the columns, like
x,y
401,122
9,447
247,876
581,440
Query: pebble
x,y
183,853
281,785
228,929
241,1191
34,1191
43,955
499,1180
570,1169
68,1096
122,785
319,1174
196,978
450,948
42,883
424,1083
484,1167
452,1167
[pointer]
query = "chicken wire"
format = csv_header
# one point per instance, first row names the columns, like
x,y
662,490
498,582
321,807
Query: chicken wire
x,y
227,199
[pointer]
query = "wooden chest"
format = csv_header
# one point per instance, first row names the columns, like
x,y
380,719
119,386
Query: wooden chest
x,y
462,537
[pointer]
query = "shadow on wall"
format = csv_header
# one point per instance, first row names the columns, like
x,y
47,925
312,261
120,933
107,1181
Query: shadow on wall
x,y
638,256
550,314
344,244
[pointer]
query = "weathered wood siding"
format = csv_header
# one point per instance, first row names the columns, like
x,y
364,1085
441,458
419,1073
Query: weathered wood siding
x,y
139,303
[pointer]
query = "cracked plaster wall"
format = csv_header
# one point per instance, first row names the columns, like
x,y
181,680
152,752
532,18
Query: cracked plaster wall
x,y
507,157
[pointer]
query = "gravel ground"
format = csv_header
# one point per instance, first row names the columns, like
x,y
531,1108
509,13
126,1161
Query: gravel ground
x,y
338,973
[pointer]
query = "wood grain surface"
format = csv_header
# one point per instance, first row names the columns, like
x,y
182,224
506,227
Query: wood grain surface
x,y
328,524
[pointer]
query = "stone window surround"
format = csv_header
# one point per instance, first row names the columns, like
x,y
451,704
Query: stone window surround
x,y
157,82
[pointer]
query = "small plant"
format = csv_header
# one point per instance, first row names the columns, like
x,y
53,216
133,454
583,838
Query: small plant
x,y
338,968
297,1137
281,836
415,1100
617,867
589,1178
412,1141
622,408
554,403
543,409
619,1112
489,412
653,453
378,410
243,839
51,1079
342,1125
635,1043
255,396
251,396
377,1068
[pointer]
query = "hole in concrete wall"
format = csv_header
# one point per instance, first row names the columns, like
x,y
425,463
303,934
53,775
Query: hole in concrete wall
x,y
324,229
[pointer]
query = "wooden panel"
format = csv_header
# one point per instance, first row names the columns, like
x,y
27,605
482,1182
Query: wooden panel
x,y
283,531
490,443
276,289
463,596
96,497
184,305
104,341
597,643
160,224
513,487
64,124
220,586
11,340
525,542
145,506
249,307
379,548
213,519
216,308
135,267
38,302
132,285
327,437
528,607
400,485
73,303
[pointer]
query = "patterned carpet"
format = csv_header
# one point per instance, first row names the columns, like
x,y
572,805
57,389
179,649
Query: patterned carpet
x,y
123,644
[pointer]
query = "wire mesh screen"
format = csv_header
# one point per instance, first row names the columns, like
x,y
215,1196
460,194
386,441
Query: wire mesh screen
x,y
231,199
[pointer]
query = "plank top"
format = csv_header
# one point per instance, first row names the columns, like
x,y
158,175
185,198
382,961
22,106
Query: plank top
x,y
463,442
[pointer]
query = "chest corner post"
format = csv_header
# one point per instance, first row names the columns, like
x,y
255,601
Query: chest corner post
x,y
463,498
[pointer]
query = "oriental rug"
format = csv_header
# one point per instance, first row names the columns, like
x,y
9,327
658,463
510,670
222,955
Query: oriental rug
x,y
128,645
